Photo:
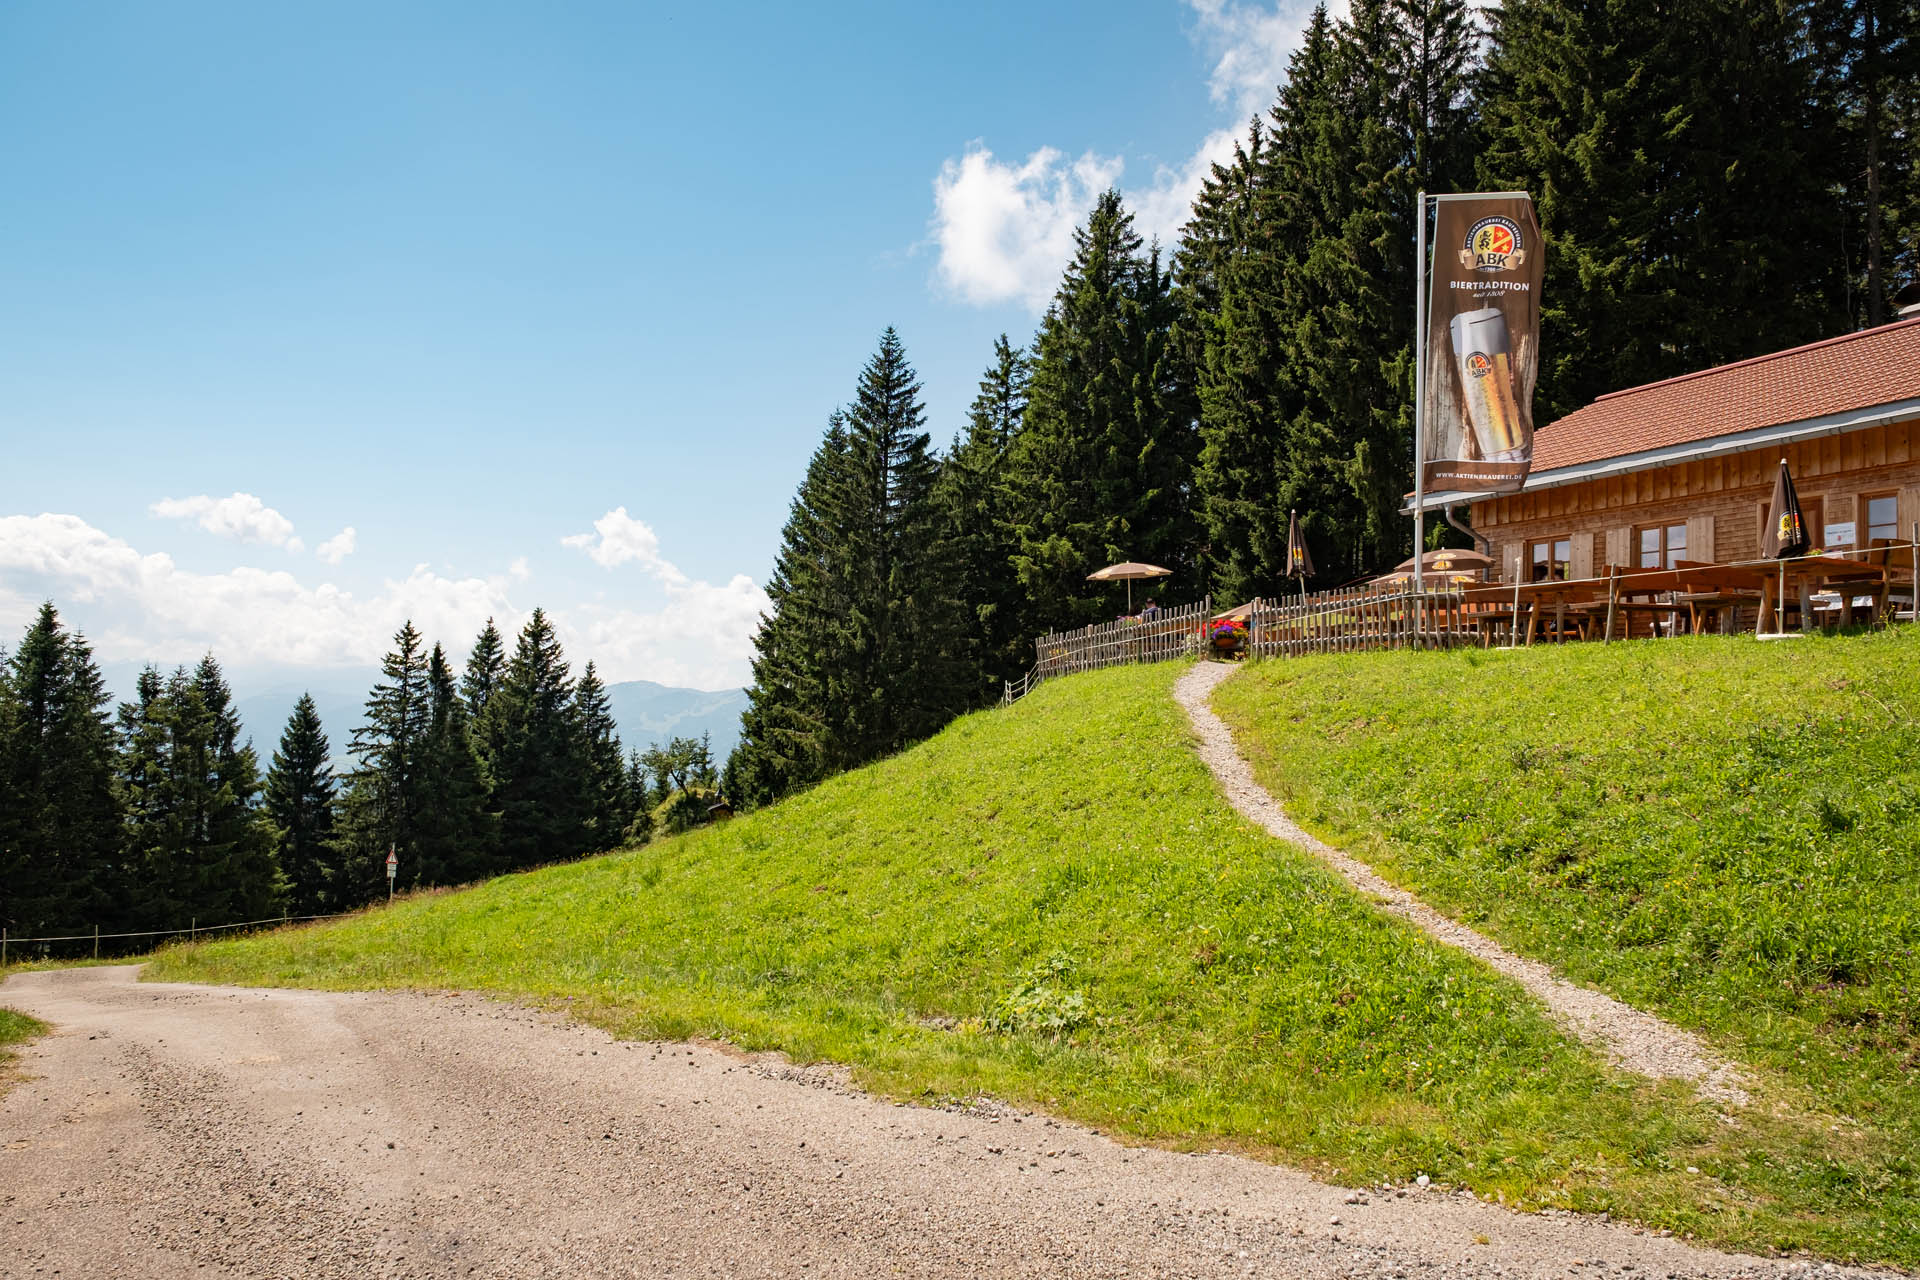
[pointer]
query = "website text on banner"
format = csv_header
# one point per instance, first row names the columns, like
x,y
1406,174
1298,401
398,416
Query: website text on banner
x,y
1483,344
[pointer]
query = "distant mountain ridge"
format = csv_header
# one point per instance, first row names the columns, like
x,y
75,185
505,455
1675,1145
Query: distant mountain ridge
x,y
644,712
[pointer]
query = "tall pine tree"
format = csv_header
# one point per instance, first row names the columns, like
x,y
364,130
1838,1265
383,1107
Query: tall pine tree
x,y
59,817
300,798
609,803
865,648
792,720
1103,469
1673,154
540,775
383,806
455,837
972,495
198,844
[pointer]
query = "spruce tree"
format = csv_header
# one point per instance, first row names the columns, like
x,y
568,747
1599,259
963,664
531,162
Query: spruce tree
x,y
382,808
908,675
978,528
241,877
1866,56
1102,471
1674,158
300,798
455,836
540,776
60,866
864,650
1232,259
609,802
197,843
793,716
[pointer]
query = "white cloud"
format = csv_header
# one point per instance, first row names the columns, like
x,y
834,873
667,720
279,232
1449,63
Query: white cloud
x,y
618,539
1004,231
144,607
338,547
518,570
1250,45
241,517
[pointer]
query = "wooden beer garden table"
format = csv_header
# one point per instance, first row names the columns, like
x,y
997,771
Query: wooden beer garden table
x,y
1808,573
1492,604
1691,586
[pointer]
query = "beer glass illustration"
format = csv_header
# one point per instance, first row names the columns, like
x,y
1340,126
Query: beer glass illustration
x,y
1486,373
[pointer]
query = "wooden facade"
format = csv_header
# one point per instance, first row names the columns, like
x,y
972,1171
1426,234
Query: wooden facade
x,y
1718,506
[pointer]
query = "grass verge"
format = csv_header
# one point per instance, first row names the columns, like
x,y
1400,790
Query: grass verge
x,y
15,1028
1053,905
1716,829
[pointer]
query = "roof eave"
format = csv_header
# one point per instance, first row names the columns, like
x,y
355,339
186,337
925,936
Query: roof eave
x,y
1785,433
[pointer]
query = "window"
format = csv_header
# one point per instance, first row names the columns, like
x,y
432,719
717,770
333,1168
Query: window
x,y
1661,545
1883,518
1549,558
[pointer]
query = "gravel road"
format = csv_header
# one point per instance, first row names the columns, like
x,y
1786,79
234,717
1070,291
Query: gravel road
x,y
1634,1038
168,1130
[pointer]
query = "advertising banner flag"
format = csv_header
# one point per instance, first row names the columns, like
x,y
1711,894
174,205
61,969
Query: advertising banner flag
x,y
1483,344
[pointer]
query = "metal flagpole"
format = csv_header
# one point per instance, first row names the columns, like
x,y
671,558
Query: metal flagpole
x,y
1419,404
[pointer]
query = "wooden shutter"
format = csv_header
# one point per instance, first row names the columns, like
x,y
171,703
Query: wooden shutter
x,y
1699,537
1580,562
1620,547
1510,556
1908,508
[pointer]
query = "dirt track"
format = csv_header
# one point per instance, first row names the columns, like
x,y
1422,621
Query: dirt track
x,y
202,1131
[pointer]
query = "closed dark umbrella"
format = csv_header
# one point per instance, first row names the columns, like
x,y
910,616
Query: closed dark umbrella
x,y
1299,563
1786,527
1786,536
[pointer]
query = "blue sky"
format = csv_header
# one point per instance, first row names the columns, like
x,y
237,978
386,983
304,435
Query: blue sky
x,y
546,304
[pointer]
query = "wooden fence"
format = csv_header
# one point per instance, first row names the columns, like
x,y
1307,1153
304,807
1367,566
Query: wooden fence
x,y
1359,618
1173,633
1325,622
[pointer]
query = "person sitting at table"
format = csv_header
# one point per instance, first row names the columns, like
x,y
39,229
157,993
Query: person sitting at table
x,y
1149,611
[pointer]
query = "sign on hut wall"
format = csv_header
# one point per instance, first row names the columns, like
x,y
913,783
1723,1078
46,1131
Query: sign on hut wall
x,y
1483,344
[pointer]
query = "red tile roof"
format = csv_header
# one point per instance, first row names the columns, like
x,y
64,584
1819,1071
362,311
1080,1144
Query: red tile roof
x,y
1856,371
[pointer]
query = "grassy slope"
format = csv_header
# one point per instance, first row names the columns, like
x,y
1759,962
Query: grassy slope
x,y
1724,831
1053,905
15,1028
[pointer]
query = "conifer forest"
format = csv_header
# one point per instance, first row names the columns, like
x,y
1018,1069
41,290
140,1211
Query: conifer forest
x,y
1715,179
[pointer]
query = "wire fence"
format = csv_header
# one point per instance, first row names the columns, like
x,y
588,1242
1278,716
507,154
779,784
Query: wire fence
x,y
11,944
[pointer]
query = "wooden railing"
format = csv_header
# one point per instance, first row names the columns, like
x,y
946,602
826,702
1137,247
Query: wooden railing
x,y
1173,633
1359,618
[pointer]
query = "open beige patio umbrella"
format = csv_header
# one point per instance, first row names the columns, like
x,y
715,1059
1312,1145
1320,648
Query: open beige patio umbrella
x,y
1448,560
1129,572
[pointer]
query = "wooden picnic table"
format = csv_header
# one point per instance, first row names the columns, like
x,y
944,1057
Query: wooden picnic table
x,y
1810,573
1493,604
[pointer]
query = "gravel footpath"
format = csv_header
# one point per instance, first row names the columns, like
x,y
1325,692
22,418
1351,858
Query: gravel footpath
x,y
1635,1039
168,1130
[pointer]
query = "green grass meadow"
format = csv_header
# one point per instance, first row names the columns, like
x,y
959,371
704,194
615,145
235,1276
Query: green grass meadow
x,y
1723,831
1053,905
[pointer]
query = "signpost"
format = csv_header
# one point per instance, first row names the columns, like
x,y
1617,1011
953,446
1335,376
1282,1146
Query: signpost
x,y
393,865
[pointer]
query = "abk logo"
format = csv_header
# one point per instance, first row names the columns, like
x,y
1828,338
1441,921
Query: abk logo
x,y
1494,244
